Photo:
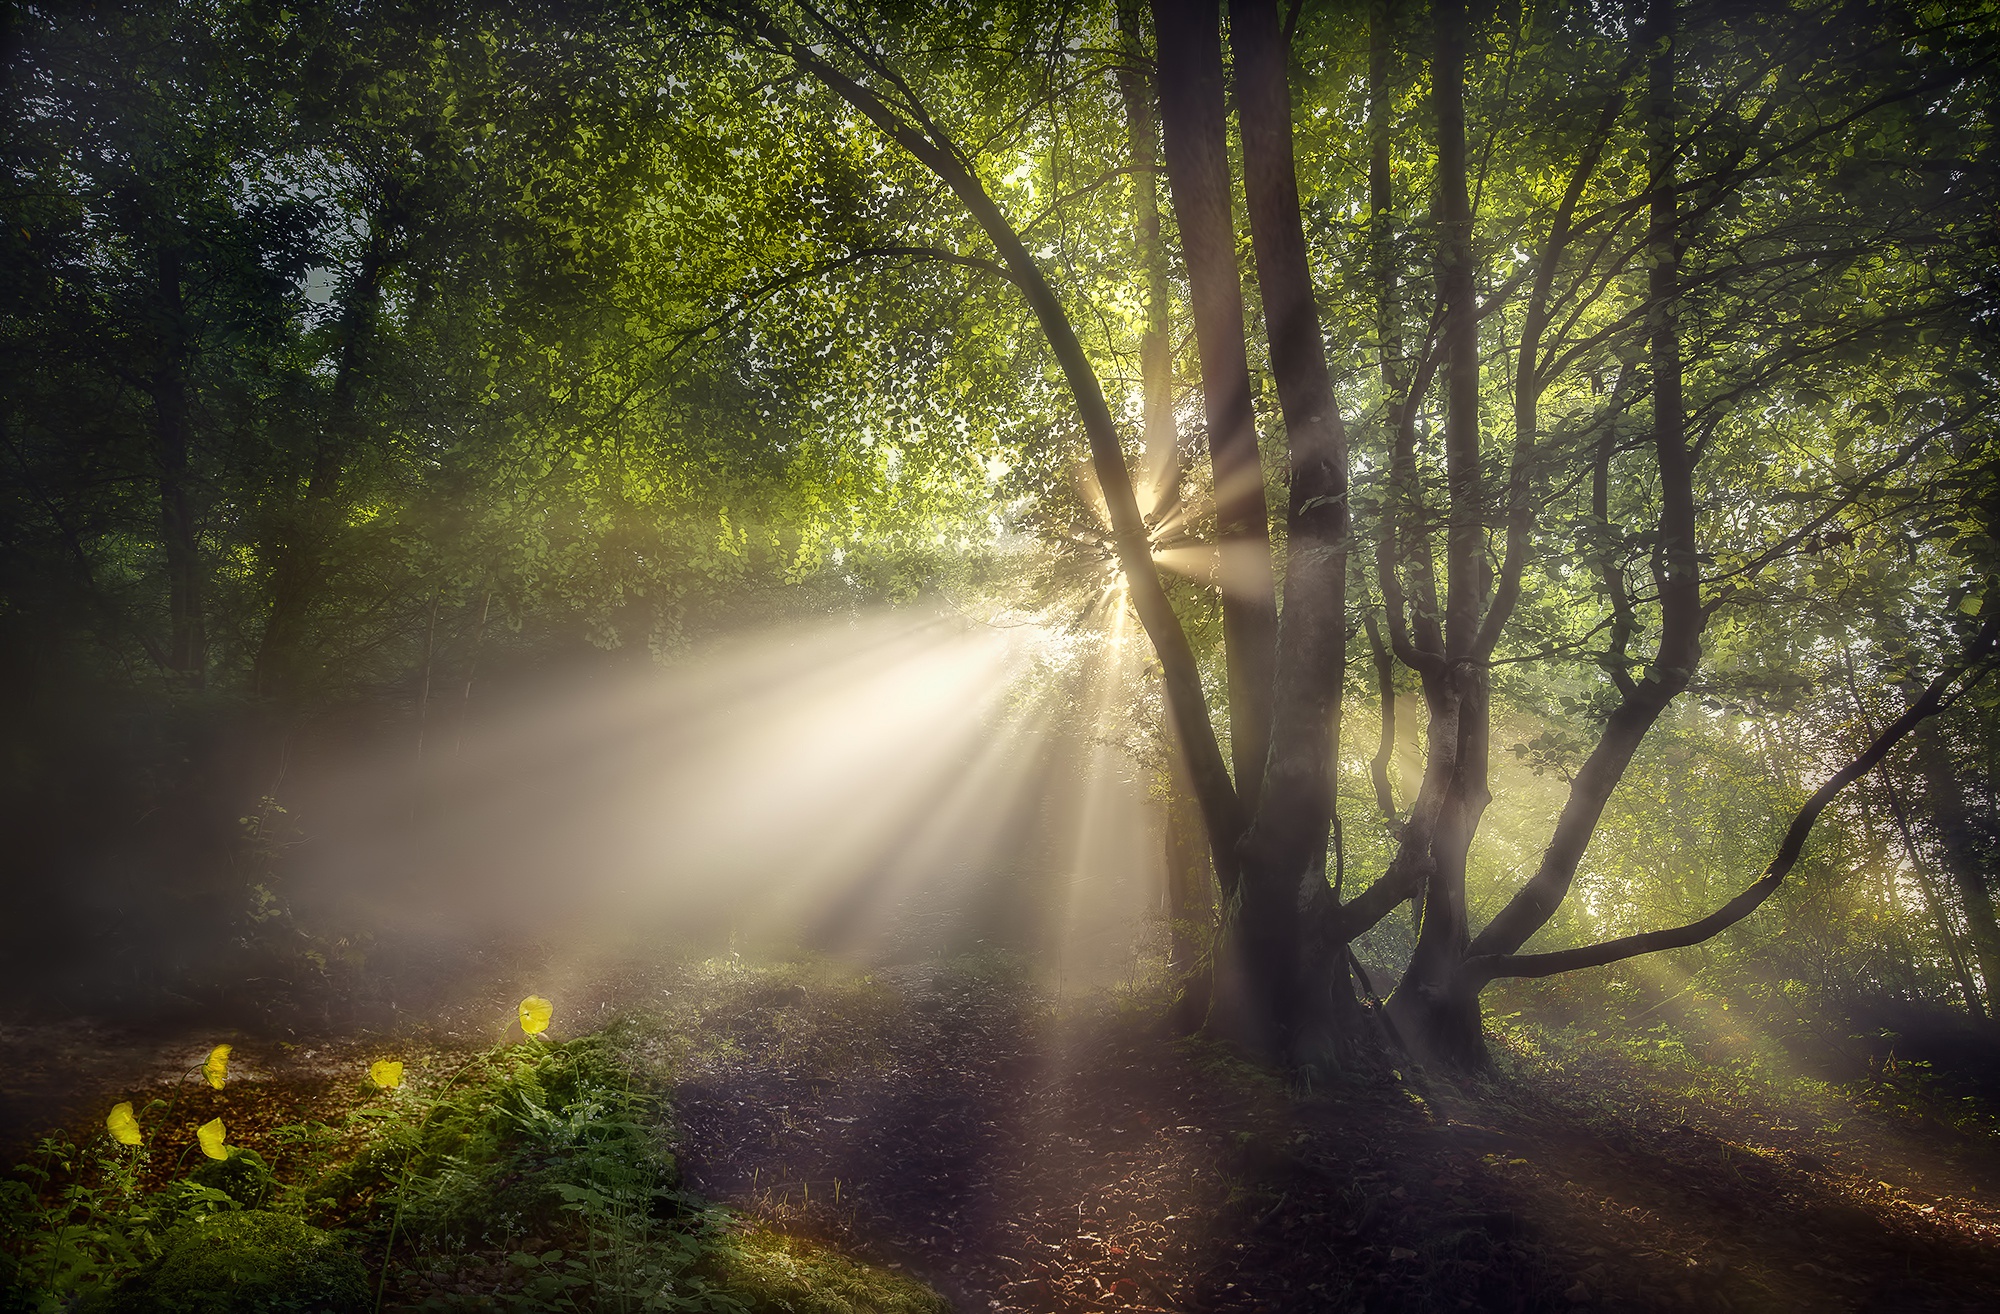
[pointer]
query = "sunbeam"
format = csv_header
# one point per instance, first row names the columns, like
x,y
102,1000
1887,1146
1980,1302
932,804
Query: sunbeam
x,y
890,786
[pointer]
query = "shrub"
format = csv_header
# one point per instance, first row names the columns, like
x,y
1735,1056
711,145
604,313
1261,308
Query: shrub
x,y
248,1262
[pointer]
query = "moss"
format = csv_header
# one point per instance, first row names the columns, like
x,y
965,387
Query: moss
x,y
252,1262
777,1274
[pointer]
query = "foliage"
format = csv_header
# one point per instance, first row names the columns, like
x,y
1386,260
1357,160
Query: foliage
x,y
776,1273
521,1145
247,1262
350,352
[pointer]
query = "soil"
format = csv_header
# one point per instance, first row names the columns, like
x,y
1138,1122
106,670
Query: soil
x,y
1020,1161
1020,1156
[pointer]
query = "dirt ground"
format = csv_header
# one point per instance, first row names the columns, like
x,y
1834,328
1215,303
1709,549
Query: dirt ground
x,y
1024,1161
1020,1156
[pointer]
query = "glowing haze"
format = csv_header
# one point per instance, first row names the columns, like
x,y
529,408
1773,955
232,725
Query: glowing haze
x,y
883,787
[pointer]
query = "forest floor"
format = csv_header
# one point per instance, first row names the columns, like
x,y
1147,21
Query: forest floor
x,y
1021,1155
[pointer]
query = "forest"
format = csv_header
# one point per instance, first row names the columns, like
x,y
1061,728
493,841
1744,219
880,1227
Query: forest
x,y
832,657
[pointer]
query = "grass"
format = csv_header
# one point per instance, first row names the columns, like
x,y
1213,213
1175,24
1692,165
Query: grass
x,y
536,1177
1718,1054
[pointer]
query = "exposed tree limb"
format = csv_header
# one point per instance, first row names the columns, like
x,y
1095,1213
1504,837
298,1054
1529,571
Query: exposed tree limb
x,y
918,135
1194,124
1972,664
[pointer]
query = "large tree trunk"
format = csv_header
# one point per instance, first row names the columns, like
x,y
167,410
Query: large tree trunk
x,y
299,572
1192,114
1433,1013
187,640
1307,1000
1439,1003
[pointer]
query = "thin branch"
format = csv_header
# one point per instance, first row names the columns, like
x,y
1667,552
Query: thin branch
x,y
1971,665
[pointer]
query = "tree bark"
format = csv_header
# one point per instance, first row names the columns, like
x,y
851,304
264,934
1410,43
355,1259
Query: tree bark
x,y
1285,850
1193,117
1434,1012
187,641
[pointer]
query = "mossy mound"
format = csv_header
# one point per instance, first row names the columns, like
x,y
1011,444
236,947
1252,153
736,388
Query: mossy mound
x,y
244,1177
777,1274
253,1262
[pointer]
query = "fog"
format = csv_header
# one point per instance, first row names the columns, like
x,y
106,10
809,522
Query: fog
x,y
885,788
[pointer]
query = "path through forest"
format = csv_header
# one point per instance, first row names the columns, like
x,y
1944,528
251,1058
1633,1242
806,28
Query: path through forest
x,y
1022,1161
1024,1156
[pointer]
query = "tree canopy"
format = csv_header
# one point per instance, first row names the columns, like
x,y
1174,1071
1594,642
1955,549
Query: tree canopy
x,y
1549,448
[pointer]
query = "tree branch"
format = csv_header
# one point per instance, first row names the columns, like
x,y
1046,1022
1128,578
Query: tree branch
x,y
1976,659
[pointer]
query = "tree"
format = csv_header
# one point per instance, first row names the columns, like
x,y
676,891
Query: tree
x,y
1613,367
1604,291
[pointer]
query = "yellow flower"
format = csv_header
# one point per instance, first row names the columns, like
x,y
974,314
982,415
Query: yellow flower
x,y
386,1073
535,1014
217,1066
210,1135
123,1126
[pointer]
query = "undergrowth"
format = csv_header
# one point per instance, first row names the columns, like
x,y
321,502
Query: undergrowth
x,y
537,1177
1717,1054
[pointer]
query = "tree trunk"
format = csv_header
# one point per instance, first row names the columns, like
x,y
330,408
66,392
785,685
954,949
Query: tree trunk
x,y
301,559
187,642
1160,460
1306,996
1676,570
1193,116
1190,892
1436,1013
1959,840
1437,1016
